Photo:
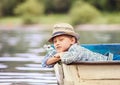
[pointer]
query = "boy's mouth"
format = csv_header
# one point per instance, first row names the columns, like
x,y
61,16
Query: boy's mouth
x,y
58,47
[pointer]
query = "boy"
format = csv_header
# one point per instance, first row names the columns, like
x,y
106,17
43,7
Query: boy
x,y
66,48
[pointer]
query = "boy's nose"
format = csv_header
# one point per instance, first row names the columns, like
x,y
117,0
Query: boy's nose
x,y
57,42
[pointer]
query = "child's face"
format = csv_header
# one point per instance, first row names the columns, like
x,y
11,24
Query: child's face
x,y
63,42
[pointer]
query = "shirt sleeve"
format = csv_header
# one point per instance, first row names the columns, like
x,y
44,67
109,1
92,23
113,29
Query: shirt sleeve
x,y
72,55
69,57
47,56
77,54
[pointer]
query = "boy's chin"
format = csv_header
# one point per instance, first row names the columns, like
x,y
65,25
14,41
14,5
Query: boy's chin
x,y
60,51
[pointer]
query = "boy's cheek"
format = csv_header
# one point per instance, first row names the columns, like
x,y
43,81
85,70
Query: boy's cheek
x,y
59,50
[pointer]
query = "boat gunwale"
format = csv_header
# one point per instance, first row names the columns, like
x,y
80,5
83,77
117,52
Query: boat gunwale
x,y
116,62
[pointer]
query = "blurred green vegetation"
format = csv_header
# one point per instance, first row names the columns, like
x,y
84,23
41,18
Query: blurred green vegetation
x,y
85,14
53,11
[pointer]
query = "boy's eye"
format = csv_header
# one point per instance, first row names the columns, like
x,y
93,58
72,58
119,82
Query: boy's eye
x,y
54,41
61,39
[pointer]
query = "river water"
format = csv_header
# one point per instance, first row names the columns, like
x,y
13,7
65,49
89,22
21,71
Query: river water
x,y
21,52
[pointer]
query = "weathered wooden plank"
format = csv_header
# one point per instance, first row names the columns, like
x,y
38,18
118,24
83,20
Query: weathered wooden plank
x,y
59,73
90,74
99,82
99,71
71,76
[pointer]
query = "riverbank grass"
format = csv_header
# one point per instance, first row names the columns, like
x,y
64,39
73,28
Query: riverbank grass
x,y
105,18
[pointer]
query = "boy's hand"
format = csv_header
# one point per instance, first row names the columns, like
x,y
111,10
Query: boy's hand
x,y
58,55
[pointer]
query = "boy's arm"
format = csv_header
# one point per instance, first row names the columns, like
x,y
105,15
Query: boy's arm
x,y
77,54
52,60
69,57
45,59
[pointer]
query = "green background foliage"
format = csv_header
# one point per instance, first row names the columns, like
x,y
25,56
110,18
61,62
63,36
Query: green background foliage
x,y
73,11
84,14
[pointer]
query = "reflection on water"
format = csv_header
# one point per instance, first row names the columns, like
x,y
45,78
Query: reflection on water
x,y
21,52
99,37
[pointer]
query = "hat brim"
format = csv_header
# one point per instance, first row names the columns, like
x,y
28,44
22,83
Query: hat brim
x,y
63,33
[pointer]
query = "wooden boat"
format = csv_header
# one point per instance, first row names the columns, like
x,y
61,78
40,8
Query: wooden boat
x,y
92,73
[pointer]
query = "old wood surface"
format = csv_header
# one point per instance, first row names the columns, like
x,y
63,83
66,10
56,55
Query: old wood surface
x,y
59,73
89,74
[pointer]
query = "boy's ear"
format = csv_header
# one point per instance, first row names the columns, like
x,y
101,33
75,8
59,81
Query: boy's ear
x,y
73,40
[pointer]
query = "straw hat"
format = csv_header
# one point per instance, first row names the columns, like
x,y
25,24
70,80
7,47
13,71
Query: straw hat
x,y
63,29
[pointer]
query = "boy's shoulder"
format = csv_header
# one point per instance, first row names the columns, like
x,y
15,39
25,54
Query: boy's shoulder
x,y
75,46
